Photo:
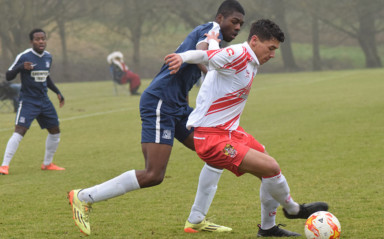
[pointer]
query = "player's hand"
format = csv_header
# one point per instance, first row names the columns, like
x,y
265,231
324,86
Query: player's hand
x,y
61,99
174,62
28,65
213,36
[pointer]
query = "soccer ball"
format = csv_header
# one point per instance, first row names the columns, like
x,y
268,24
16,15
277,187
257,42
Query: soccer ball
x,y
322,225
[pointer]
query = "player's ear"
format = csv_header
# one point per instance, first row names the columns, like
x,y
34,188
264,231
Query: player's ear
x,y
219,18
254,40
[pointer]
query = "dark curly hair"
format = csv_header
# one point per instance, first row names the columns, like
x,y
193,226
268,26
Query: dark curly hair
x,y
34,31
266,29
228,7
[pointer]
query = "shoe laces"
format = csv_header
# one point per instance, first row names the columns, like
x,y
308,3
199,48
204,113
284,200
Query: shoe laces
x,y
87,210
278,225
209,220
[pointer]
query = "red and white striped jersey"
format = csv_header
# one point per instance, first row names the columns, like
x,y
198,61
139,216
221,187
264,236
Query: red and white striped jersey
x,y
225,89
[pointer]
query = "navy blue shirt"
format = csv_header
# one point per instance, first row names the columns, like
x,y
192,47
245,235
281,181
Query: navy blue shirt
x,y
33,82
173,89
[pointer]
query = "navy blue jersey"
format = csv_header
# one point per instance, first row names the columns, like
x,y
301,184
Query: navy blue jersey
x,y
173,89
33,82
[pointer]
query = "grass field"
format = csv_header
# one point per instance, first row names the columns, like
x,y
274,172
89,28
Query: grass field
x,y
325,129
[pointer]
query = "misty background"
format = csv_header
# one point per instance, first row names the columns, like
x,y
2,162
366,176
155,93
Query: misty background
x,y
320,34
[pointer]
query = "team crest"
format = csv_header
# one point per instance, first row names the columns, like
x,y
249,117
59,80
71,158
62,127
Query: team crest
x,y
230,151
167,134
22,119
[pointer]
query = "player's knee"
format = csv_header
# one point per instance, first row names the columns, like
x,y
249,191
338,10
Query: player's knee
x,y
273,169
54,130
153,179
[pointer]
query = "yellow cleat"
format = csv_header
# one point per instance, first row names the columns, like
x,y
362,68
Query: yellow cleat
x,y
205,226
80,212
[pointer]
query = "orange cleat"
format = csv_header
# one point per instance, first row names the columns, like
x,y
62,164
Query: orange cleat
x,y
4,170
51,166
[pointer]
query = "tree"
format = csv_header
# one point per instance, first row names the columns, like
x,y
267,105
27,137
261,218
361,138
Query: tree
x,y
286,47
366,33
15,19
275,10
316,59
134,19
358,20
191,11
18,18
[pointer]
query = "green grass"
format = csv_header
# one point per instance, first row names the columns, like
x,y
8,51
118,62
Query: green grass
x,y
325,129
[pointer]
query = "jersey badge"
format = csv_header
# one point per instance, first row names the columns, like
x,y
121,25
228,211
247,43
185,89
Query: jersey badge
x,y
22,119
230,51
47,64
167,134
230,151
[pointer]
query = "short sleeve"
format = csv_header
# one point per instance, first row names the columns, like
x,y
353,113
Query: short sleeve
x,y
213,28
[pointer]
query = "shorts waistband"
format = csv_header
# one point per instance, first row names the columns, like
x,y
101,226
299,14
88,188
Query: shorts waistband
x,y
211,130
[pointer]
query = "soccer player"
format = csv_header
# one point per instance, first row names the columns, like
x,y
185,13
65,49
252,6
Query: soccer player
x,y
220,141
34,66
164,111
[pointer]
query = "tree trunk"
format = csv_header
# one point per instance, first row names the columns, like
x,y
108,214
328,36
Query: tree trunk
x,y
366,34
286,48
136,54
316,60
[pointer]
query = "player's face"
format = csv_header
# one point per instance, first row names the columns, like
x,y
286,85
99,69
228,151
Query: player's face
x,y
39,42
230,26
264,50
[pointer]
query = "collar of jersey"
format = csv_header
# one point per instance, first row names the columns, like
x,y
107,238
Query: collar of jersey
x,y
37,54
246,45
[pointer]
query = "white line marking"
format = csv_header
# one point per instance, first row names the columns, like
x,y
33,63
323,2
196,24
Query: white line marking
x,y
81,116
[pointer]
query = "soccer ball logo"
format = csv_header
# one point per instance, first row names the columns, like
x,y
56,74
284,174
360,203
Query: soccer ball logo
x,y
322,225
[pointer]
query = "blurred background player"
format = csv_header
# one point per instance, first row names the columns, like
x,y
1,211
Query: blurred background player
x,y
34,66
164,111
121,73
220,141
11,91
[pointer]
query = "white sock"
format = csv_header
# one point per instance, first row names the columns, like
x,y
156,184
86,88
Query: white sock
x,y
278,188
268,209
117,186
50,147
10,150
208,180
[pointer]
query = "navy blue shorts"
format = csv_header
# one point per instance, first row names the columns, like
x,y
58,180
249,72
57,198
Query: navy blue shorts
x,y
42,110
161,123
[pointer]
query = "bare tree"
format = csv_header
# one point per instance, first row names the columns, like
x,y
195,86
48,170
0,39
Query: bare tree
x,y
192,13
357,19
14,22
134,19
366,33
316,59
17,19
279,9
